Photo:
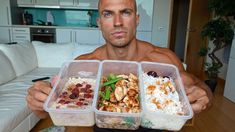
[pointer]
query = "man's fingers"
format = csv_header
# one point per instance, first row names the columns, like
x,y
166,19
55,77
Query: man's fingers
x,y
200,105
195,94
32,105
43,87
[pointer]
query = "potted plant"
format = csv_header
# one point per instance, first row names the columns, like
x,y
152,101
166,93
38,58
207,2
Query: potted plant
x,y
219,30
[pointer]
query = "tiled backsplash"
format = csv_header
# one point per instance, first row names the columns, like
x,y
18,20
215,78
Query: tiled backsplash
x,y
63,17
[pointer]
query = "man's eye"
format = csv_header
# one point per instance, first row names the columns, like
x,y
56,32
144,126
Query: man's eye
x,y
126,13
107,14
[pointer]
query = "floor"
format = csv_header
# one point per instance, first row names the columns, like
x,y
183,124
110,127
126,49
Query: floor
x,y
219,118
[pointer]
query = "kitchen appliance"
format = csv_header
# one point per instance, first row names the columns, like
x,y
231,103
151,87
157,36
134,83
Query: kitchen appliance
x,y
27,18
46,35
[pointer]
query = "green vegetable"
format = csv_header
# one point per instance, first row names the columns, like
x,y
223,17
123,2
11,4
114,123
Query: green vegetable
x,y
102,95
107,94
113,87
112,81
111,76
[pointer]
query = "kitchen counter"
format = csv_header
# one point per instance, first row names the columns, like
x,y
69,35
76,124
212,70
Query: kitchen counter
x,y
61,27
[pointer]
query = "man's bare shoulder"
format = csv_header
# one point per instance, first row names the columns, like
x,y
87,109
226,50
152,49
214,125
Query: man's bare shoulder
x,y
164,55
95,55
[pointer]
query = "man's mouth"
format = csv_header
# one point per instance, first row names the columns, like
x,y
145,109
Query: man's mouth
x,y
118,34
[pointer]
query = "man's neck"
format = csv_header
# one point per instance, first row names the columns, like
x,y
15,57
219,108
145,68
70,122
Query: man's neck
x,y
128,52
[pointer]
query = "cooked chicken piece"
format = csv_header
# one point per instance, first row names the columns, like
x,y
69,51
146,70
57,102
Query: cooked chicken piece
x,y
131,102
132,85
113,98
123,76
120,93
121,83
132,93
132,77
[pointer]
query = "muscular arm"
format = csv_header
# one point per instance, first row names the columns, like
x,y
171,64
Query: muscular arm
x,y
198,93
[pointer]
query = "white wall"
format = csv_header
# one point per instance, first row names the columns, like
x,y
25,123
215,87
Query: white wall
x,y
161,22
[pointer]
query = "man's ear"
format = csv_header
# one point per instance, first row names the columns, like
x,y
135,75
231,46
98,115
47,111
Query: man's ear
x,y
137,19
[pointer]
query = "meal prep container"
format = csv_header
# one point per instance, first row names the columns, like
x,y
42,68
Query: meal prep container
x,y
68,116
117,120
155,120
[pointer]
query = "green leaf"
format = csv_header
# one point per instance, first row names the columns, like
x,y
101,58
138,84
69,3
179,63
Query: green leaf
x,y
113,87
107,94
102,95
112,81
111,76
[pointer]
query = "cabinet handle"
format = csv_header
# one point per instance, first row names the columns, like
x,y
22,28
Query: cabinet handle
x,y
75,34
10,37
19,30
8,20
71,37
20,36
77,3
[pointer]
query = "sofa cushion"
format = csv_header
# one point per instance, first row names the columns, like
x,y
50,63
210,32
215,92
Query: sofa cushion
x,y
53,55
22,56
84,49
7,72
13,106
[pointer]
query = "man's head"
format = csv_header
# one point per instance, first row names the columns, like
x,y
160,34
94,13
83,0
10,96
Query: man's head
x,y
118,21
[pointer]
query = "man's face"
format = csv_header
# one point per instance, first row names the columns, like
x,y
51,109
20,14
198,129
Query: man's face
x,y
118,21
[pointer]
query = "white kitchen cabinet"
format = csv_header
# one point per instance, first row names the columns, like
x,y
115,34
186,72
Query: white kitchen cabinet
x,y
25,2
145,10
90,4
145,36
68,3
81,36
47,2
80,4
5,34
32,3
64,35
161,22
20,34
87,36
5,19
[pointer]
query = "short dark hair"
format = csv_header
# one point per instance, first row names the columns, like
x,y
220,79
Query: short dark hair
x,y
135,5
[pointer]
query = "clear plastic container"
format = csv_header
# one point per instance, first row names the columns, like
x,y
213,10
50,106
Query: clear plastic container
x,y
65,116
117,120
157,120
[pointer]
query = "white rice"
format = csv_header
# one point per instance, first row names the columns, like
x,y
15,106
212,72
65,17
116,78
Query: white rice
x,y
158,95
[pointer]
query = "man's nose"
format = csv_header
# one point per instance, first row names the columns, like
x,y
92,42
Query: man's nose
x,y
118,21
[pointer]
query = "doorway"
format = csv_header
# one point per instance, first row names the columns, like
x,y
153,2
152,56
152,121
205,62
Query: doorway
x,y
179,27
186,40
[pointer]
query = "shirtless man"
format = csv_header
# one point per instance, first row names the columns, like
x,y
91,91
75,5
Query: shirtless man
x,y
118,22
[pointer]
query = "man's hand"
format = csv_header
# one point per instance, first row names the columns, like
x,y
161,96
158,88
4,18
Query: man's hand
x,y
199,95
37,95
198,98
